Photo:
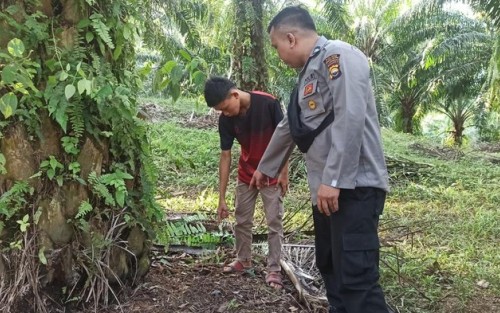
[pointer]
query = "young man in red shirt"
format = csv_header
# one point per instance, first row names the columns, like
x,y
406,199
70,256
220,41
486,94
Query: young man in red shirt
x,y
250,118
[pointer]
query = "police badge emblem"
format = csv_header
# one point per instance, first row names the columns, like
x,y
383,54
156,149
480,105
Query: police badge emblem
x,y
308,89
333,64
312,104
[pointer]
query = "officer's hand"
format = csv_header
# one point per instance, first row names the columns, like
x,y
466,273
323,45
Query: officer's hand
x,y
222,212
283,183
259,180
328,199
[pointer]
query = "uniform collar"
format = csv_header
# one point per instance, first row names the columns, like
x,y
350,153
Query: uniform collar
x,y
320,43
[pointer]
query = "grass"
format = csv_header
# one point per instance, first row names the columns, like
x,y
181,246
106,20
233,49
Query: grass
x,y
441,227
454,221
183,154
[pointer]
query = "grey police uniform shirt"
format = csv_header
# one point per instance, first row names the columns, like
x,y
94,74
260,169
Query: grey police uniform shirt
x,y
348,153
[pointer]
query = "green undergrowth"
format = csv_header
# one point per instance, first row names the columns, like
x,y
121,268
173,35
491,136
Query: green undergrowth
x,y
443,229
182,154
440,228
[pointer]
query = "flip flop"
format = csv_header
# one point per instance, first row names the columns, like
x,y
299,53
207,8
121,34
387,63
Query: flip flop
x,y
235,267
274,278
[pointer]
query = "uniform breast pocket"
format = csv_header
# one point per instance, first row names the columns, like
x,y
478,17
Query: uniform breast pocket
x,y
310,101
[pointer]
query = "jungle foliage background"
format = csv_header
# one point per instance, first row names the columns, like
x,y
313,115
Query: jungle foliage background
x,y
98,141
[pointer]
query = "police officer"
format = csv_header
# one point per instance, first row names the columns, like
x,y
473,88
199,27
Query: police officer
x,y
332,118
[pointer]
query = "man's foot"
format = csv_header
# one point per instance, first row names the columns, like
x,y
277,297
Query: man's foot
x,y
237,267
273,279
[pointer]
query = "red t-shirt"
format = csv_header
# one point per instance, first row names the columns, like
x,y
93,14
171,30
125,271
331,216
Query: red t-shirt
x,y
253,131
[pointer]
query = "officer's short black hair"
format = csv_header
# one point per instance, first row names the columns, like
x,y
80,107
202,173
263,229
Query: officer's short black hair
x,y
296,16
217,89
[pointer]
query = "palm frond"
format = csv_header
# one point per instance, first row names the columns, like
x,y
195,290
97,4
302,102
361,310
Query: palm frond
x,y
490,7
492,84
337,17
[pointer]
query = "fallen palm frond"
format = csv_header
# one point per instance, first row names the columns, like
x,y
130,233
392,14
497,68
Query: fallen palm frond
x,y
401,169
25,276
102,284
299,263
193,230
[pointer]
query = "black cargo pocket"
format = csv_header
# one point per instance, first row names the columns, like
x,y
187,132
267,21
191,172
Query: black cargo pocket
x,y
359,260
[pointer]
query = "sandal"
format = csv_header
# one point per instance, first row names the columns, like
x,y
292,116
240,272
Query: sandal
x,y
236,267
274,278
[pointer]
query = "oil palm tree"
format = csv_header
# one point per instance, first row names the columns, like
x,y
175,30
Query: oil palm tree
x,y
75,162
490,9
452,46
409,49
460,112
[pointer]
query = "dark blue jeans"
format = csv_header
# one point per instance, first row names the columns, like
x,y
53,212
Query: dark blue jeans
x,y
347,251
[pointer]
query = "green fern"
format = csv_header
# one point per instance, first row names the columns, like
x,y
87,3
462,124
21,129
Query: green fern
x,y
102,29
84,209
12,200
96,65
75,112
100,189
3,170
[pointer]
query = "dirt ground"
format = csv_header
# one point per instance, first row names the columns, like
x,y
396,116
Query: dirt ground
x,y
180,283
183,283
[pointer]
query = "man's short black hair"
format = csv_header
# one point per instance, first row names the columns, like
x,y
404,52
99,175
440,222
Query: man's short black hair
x,y
296,16
217,89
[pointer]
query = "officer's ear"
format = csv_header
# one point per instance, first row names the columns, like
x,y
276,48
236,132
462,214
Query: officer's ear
x,y
235,93
292,40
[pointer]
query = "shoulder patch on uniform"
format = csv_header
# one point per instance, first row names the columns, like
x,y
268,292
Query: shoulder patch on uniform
x,y
333,64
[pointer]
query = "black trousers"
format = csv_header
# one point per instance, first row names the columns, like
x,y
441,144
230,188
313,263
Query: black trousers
x,y
347,251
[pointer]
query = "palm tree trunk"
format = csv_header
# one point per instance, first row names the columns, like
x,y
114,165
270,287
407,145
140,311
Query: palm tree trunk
x,y
408,111
248,62
54,247
257,50
458,132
